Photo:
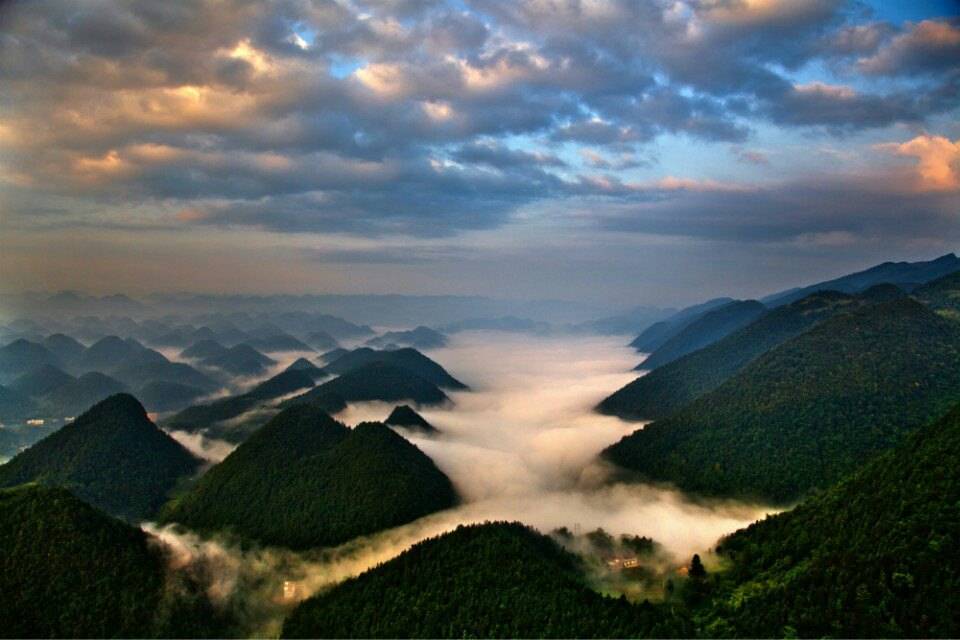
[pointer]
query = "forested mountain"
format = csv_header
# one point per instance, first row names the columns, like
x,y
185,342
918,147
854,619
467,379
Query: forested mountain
x,y
877,555
497,580
305,480
677,383
205,415
907,274
809,411
112,456
204,349
15,406
405,416
374,381
65,348
278,342
312,370
69,571
654,336
22,356
705,330
942,295
70,399
418,338
407,358
241,360
41,381
165,396
321,341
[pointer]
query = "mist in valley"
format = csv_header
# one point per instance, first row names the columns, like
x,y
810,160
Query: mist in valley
x,y
522,444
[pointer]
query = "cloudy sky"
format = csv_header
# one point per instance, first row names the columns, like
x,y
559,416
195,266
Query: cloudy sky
x,y
625,152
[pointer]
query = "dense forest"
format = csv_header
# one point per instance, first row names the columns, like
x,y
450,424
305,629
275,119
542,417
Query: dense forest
x,y
877,555
407,358
809,411
405,416
706,329
305,480
670,387
112,456
498,580
69,571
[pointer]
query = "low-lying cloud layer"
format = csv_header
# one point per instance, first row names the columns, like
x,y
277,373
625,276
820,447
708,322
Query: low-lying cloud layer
x,y
522,445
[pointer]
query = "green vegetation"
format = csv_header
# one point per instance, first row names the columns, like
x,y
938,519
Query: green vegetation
x,y
497,580
305,480
206,415
41,381
112,456
76,396
705,330
811,410
161,395
670,387
409,359
419,338
374,381
405,416
654,336
942,295
877,555
15,406
241,360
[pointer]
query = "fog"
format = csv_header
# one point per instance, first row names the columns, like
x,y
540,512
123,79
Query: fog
x,y
522,444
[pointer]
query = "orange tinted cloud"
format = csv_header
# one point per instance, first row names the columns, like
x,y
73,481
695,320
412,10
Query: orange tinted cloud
x,y
938,161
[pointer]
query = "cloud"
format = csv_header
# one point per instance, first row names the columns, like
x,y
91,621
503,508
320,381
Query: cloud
x,y
929,46
938,161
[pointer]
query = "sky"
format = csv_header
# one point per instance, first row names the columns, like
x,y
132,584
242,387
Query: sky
x,y
618,152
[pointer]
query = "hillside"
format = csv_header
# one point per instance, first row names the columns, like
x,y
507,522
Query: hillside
x,y
41,381
65,348
373,381
418,338
909,274
241,360
405,416
312,370
877,555
809,411
112,456
670,387
70,571
22,356
409,359
15,406
162,396
942,295
203,349
654,336
305,480
492,580
205,415
705,330
78,395
278,342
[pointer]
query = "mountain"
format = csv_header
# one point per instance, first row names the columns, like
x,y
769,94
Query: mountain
x,y
138,374
406,358
69,570
79,395
204,349
630,323
373,381
877,555
112,456
304,365
321,341
654,336
205,416
705,330
909,274
113,352
15,406
405,416
419,338
65,348
22,356
494,580
667,388
41,381
809,411
333,354
278,342
304,480
241,360
162,396
942,295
